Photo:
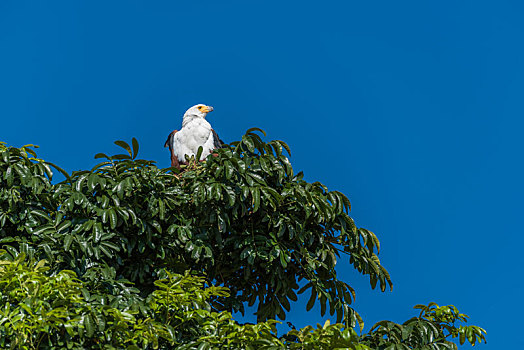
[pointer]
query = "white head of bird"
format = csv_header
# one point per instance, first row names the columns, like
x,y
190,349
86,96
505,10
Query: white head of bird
x,y
197,111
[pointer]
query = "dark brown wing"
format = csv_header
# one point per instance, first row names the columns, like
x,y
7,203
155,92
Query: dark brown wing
x,y
169,143
217,141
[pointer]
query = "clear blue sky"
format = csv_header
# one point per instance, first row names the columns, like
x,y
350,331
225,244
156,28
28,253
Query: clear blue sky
x,y
414,109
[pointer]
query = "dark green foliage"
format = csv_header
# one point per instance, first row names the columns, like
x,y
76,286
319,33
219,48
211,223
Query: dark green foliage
x,y
122,236
243,218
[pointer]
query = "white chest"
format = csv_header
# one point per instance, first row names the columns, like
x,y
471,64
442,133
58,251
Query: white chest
x,y
194,133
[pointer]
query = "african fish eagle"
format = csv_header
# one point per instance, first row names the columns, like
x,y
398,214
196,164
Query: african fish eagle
x,y
196,131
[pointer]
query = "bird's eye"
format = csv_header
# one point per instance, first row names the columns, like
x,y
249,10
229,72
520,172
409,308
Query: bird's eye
x,y
200,107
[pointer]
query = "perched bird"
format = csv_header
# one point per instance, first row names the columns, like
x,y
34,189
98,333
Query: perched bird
x,y
195,132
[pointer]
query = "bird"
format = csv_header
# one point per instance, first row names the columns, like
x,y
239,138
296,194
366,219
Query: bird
x,y
195,132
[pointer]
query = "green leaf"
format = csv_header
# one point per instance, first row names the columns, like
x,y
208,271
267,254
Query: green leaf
x,y
311,300
125,146
204,346
251,130
255,193
67,242
101,155
89,325
60,170
283,261
246,140
199,153
135,147
113,219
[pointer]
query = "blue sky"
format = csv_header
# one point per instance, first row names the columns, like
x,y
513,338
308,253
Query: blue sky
x,y
413,109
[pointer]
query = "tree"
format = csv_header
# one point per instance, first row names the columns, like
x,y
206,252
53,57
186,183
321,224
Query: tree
x,y
124,233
